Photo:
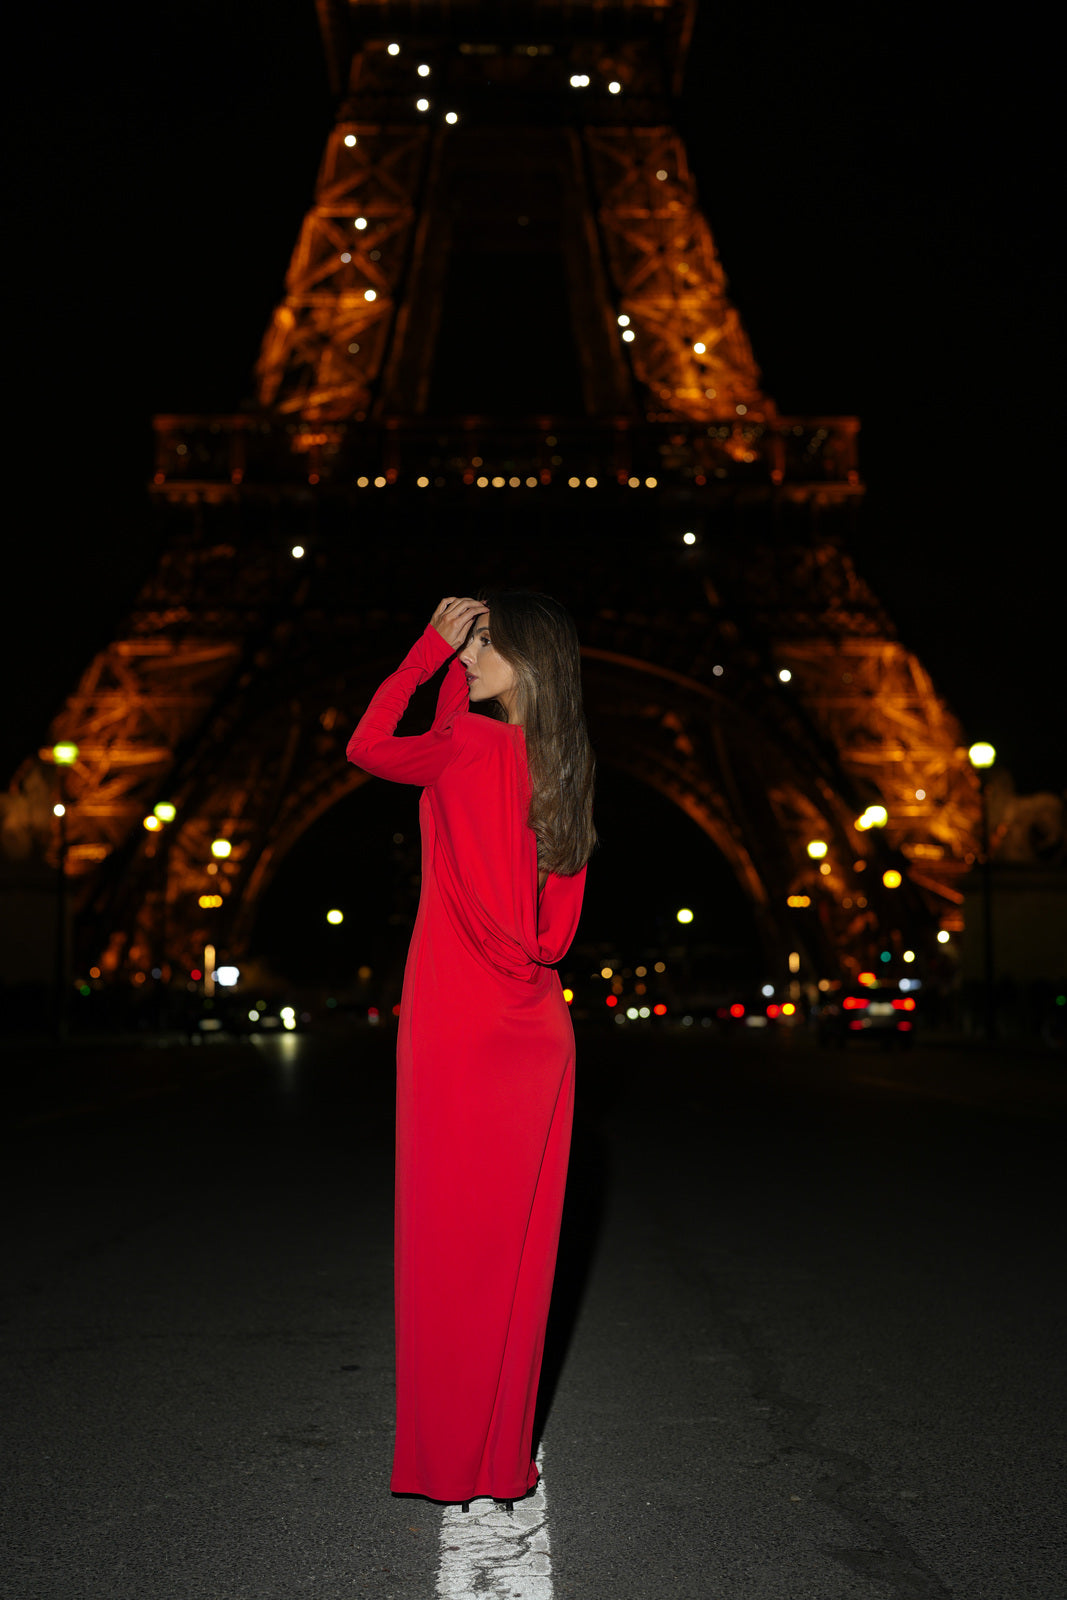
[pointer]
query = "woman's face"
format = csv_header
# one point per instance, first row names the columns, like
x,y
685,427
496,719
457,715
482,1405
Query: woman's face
x,y
489,676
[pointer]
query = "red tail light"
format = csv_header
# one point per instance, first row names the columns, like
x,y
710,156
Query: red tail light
x,y
905,1004
852,1002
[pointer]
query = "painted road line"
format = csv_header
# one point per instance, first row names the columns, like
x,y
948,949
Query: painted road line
x,y
487,1555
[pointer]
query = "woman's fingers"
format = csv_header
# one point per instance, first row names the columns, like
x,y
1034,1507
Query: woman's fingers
x,y
454,616
454,605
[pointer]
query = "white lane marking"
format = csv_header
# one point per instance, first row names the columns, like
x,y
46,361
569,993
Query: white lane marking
x,y
487,1555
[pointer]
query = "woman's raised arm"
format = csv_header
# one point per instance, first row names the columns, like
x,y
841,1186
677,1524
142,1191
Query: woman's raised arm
x,y
417,758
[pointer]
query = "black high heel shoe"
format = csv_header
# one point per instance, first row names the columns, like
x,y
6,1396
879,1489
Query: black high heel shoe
x,y
505,1505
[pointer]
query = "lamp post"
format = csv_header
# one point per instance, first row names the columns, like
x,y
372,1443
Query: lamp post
x,y
162,814
64,755
982,757
685,916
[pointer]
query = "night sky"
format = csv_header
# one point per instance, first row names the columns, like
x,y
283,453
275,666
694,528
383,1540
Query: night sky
x,y
879,194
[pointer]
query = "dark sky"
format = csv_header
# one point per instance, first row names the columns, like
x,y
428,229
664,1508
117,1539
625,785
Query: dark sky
x,y
879,190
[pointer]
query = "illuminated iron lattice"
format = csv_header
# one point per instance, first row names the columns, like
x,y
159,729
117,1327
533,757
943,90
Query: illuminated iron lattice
x,y
325,345
667,278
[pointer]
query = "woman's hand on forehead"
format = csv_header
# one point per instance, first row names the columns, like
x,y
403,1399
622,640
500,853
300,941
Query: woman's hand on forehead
x,y
455,616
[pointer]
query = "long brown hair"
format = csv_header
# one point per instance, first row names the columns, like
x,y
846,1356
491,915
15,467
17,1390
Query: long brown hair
x,y
538,639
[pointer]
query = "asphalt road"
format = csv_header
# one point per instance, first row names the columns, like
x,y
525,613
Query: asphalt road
x,y
807,1341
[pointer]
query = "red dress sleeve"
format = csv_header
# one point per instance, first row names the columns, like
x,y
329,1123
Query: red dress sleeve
x,y
418,758
559,909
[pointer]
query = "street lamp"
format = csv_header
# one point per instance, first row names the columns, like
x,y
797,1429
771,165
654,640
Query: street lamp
x,y
162,815
64,754
982,757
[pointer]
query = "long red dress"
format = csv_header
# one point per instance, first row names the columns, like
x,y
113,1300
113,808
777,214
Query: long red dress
x,y
485,1094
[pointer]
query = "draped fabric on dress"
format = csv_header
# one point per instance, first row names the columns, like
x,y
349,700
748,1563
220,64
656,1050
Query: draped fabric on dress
x,y
485,1093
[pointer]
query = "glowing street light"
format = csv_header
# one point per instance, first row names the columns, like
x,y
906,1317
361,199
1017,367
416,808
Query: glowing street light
x,y
817,848
335,917
64,754
891,878
221,848
164,811
982,756
873,817
685,915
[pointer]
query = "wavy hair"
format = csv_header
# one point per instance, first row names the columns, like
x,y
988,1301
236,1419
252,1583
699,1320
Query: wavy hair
x,y
538,639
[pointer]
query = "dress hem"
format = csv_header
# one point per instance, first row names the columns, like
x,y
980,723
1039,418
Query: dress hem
x,y
472,1494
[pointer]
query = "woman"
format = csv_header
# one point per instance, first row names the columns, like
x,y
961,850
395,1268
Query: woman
x,y
485,1050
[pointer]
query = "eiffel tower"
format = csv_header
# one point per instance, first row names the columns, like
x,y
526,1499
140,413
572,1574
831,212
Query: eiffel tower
x,y
505,348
